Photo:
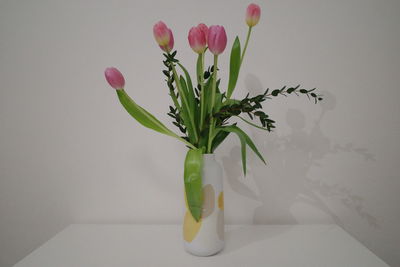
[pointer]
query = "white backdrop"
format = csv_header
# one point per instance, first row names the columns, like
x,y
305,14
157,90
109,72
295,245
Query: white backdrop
x,y
69,153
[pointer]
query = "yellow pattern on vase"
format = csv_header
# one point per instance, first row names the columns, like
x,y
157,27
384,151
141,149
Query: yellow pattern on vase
x,y
190,227
221,200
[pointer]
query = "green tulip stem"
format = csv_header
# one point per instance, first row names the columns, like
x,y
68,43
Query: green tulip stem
x,y
202,107
213,92
245,45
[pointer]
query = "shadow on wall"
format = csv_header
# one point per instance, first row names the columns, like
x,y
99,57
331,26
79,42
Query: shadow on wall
x,y
285,181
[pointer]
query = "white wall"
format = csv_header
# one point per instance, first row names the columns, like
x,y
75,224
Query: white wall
x,y
69,153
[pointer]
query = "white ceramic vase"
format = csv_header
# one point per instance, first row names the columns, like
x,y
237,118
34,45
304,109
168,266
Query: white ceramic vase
x,y
206,237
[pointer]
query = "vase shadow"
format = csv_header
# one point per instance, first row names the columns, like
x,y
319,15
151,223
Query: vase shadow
x,y
285,181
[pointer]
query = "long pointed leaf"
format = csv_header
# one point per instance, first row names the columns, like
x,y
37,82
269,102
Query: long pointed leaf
x,y
252,146
191,96
234,67
252,124
187,86
247,140
188,82
218,139
193,183
187,113
184,86
242,139
144,117
186,121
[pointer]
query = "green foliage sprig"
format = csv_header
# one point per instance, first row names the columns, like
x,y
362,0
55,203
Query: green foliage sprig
x,y
252,106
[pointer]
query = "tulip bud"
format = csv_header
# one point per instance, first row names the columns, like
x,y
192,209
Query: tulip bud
x,y
115,78
167,48
216,39
197,40
203,27
161,33
252,15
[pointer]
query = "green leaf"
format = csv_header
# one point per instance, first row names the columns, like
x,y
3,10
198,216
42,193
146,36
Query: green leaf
x,y
183,85
218,139
234,67
252,124
244,139
144,117
186,113
253,146
275,92
190,96
218,101
290,90
188,82
193,183
141,115
188,125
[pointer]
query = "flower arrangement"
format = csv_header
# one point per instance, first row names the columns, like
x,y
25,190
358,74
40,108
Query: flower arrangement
x,y
202,111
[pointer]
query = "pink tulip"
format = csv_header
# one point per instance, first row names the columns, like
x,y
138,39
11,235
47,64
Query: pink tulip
x,y
216,39
203,27
197,39
161,33
115,78
252,15
170,45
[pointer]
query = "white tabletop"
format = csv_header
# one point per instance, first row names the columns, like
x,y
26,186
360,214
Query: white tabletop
x,y
87,245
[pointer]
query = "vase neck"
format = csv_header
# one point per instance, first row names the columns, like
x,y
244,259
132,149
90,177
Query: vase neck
x,y
209,157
